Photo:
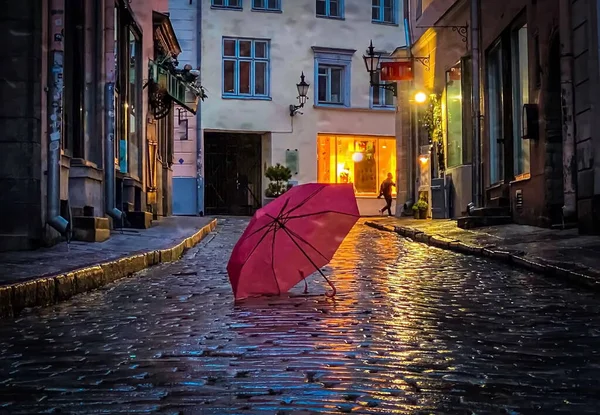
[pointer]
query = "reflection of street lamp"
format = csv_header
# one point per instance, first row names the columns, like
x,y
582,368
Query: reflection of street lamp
x,y
420,97
302,95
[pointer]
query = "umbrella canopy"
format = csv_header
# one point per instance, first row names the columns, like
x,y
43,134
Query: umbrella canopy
x,y
290,238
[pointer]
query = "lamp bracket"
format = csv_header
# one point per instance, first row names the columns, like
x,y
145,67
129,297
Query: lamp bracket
x,y
295,109
463,31
423,60
391,86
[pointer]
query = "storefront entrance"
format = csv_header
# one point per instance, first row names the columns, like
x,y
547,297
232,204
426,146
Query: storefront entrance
x,y
233,173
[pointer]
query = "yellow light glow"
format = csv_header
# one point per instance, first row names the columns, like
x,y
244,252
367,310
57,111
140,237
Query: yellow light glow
x,y
423,159
420,97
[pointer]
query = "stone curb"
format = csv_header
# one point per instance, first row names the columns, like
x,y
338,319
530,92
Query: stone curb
x,y
51,290
537,265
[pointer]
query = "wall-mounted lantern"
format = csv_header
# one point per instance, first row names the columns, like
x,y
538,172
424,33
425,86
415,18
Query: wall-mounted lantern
x,y
372,60
302,96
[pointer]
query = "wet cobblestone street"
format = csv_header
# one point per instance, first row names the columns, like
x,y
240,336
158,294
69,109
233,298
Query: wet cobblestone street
x,y
413,330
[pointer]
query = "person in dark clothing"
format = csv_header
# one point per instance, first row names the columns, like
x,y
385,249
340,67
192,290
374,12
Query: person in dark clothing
x,y
385,190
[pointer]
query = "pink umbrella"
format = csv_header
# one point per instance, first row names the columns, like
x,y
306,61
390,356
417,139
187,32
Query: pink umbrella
x,y
290,238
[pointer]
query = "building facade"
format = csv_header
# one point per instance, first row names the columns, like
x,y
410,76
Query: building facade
x,y
78,121
252,54
539,79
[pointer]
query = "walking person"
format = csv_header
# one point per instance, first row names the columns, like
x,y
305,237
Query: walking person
x,y
385,190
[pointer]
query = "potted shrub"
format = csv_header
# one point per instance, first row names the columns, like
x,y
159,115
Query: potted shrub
x,y
420,209
279,176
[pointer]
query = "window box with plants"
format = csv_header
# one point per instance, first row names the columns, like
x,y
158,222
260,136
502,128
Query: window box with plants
x,y
279,177
420,209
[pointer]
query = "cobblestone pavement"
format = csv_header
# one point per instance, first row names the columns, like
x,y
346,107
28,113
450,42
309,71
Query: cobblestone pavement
x,y
414,330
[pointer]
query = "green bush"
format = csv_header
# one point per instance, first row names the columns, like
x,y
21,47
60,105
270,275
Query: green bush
x,y
279,176
420,205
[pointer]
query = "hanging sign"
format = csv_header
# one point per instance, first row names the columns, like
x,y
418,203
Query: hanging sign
x,y
396,71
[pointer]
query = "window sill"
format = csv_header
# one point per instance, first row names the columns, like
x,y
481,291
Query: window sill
x,y
352,109
267,10
243,97
385,23
331,17
327,105
383,108
521,178
236,9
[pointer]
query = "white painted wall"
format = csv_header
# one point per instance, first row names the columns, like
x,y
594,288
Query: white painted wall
x,y
184,21
292,33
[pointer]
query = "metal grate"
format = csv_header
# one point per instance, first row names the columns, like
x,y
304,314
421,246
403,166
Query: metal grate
x,y
519,199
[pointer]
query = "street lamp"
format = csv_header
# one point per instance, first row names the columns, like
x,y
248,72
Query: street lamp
x,y
302,95
372,60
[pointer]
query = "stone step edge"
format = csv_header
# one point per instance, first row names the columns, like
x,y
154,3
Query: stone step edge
x,y
517,260
46,291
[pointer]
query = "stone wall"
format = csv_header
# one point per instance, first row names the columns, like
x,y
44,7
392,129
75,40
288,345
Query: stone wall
x,y
585,80
20,124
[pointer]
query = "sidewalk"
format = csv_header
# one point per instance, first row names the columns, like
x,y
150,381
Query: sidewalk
x,y
560,253
49,275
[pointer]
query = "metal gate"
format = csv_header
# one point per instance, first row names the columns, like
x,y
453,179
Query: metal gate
x,y
233,174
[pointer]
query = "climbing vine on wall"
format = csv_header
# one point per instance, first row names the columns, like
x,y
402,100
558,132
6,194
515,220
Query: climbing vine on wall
x,y
431,121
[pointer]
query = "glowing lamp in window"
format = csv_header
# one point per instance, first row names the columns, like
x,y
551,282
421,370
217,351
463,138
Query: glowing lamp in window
x,y
358,157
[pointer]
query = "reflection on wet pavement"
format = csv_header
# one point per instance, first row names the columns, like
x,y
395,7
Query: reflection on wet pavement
x,y
413,330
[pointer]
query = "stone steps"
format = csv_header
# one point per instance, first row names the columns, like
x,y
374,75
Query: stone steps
x,y
471,222
91,228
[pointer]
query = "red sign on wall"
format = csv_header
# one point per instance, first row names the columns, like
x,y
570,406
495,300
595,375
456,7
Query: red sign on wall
x,y
396,71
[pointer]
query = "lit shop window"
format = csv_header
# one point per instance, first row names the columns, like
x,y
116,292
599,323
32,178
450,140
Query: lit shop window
x,y
361,160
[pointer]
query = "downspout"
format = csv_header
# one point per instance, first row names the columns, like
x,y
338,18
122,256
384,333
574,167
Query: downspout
x,y
109,113
476,64
199,155
569,210
55,104
413,113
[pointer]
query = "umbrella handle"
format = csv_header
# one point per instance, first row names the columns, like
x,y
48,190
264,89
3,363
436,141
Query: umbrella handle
x,y
334,291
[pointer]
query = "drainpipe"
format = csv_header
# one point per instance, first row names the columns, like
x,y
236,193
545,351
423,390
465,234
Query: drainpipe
x,y
109,114
568,123
199,155
55,103
475,59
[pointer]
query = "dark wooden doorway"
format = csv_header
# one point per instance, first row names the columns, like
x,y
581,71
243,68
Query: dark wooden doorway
x,y
233,173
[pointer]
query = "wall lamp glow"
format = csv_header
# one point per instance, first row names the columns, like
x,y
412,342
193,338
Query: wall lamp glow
x,y
302,96
420,97
423,159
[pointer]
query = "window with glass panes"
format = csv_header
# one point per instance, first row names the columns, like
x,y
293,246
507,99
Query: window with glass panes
x,y
266,5
330,8
383,11
245,68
